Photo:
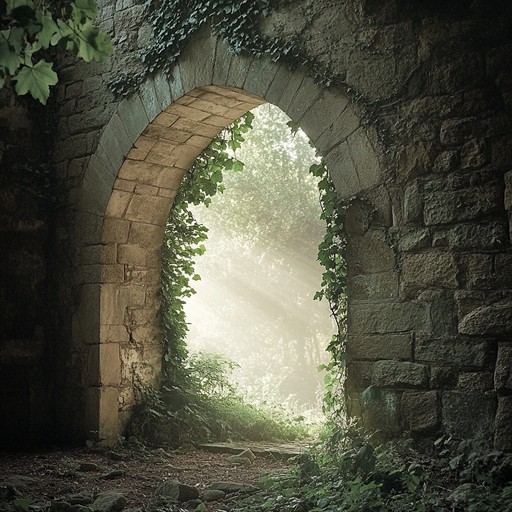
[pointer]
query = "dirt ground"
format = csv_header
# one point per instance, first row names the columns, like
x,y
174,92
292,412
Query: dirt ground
x,y
56,474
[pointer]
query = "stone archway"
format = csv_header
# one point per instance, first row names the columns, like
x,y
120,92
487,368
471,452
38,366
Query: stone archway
x,y
149,143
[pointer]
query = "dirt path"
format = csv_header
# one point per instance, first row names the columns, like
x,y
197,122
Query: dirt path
x,y
58,475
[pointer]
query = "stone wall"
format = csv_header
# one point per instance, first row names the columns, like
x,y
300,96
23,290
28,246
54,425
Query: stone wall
x,y
417,136
25,321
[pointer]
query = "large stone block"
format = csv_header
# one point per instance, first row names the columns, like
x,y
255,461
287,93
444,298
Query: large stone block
x,y
422,411
115,231
387,318
484,236
131,254
133,115
397,374
469,414
383,413
503,371
383,285
492,319
480,381
461,205
429,269
146,235
370,253
148,209
104,365
102,406
503,426
374,347
453,351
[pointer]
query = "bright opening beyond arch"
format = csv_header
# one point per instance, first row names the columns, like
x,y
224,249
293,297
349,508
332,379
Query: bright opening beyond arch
x,y
254,303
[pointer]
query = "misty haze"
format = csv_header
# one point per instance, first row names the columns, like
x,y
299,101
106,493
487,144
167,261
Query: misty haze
x,y
254,303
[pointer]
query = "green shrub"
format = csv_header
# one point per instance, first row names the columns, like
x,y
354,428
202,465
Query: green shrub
x,y
205,407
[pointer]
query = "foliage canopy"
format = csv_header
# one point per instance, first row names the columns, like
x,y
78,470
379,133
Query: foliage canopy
x,y
28,31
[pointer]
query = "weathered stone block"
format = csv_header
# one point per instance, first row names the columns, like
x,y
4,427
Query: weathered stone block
x,y
148,209
484,236
412,239
113,334
102,414
461,205
469,414
493,319
322,113
383,414
133,115
259,77
146,235
364,158
458,131
473,154
503,426
479,270
370,253
345,124
388,317
453,352
429,269
383,285
358,218
503,371
115,231
421,411
413,203
118,203
359,375
343,171
104,365
386,346
131,254
95,254
394,374
290,90
481,381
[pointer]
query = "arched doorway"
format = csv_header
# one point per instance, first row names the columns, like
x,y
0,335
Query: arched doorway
x,y
129,186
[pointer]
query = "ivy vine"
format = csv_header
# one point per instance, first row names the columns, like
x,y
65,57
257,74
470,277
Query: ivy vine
x,y
185,237
174,22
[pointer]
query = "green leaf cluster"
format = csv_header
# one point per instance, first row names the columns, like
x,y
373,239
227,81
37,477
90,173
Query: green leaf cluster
x,y
331,253
347,473
29,28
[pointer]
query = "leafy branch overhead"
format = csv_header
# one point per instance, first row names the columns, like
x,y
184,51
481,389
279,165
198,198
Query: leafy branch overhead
x,y
28,29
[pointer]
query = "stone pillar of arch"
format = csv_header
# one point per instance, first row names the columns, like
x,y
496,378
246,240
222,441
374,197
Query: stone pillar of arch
x,y
151,140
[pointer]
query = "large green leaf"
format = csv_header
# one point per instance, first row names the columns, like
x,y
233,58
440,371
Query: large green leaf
x,y
36,80
49,31
93,44
9,59
87,8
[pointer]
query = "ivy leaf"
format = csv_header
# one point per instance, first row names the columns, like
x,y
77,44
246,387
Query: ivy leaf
x,y
49,31
87,8
9,59
93,44
36,80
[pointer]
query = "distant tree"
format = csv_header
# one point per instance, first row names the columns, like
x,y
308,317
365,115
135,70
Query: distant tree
x,y
29,28
260,265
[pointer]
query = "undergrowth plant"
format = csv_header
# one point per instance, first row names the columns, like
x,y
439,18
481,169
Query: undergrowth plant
x,y
355,476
